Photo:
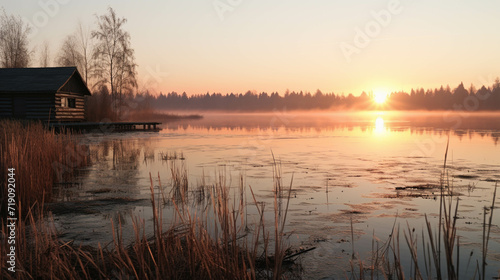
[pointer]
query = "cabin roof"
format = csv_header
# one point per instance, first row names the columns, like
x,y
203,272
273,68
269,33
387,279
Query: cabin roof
x,y
39,80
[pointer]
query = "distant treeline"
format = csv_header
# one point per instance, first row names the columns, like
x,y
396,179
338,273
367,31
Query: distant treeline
x,y
443,98
100,104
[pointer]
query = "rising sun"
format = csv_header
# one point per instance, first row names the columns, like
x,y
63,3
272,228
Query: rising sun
x,y
380,96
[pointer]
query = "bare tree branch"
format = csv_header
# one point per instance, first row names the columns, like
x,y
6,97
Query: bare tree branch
x,y
76,50
13,41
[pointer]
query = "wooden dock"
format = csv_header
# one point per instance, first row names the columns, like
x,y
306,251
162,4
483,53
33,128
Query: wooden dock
x,y
106,127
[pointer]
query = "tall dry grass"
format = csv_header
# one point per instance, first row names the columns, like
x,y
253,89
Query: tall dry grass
x,y
209,246
40,158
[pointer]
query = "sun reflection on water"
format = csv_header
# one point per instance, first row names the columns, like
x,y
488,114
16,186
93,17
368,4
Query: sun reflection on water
x,y
380,126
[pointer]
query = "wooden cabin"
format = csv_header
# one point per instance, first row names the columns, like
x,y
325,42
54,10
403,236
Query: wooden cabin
x,y
55,94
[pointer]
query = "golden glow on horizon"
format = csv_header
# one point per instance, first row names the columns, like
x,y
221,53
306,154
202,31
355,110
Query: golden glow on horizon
x,y
380,95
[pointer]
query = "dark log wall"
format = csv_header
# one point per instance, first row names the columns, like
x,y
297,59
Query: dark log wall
x,y
39,107
5,106
42,106
27,106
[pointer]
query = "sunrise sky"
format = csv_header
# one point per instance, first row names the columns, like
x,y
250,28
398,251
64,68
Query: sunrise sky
x,y
335,46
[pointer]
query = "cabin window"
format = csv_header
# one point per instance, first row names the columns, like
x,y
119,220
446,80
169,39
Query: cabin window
x,y
68,102
71,103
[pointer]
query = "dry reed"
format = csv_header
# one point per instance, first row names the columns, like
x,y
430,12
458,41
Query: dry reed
x,y
40,159
188,249
437,245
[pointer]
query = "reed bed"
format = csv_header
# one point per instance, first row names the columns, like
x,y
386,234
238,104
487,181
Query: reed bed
x,y
40,158
212,244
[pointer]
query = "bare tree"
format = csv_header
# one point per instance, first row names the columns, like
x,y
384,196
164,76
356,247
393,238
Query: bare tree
x,y
13,42
45,55
69,54
114,57
76,51
84,39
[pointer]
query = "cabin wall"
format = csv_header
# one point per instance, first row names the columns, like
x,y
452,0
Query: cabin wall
x,y
67,114
6,106
27,106
42,107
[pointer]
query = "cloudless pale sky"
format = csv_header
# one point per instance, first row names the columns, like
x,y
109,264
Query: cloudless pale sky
x,y
270,46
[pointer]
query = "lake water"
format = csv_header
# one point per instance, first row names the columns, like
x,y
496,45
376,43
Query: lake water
x,y
375,169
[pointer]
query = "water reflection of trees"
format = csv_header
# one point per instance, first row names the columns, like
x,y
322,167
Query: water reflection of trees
x,y
125,154
119,154
471,126
113,173
179,194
